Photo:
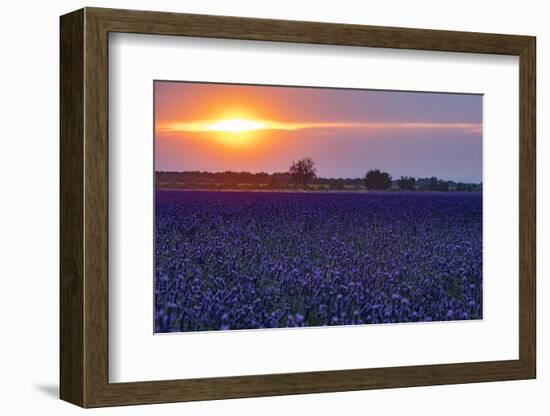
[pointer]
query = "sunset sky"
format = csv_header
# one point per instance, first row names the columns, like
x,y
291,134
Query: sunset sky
x,y
219,127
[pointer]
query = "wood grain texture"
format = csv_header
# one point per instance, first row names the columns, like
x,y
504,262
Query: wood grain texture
x,y
71,297
96,219
162,23
84,207
527,208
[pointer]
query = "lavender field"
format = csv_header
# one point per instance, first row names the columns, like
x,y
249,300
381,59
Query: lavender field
x,y
244,260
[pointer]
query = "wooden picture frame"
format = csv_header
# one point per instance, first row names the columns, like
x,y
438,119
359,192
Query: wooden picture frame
x,y
84,207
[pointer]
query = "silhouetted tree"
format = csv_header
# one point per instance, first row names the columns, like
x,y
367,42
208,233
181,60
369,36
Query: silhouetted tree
x,y
374,179
407,183
464,187
434,184
303,171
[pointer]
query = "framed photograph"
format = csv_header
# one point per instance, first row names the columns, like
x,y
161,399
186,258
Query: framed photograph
x,y
254,207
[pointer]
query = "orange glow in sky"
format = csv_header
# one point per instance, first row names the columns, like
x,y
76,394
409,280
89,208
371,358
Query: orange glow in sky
x,y
219,127
241,125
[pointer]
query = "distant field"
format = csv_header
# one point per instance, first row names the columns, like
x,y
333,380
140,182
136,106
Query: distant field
x,y
243,260
246,181
247,186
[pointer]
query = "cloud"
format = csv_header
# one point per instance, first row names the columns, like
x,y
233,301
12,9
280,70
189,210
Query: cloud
x,y
207,126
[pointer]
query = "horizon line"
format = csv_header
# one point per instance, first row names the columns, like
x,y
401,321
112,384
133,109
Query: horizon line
x,y
319,177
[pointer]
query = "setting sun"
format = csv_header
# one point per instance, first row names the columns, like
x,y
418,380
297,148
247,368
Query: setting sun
x,y
235,125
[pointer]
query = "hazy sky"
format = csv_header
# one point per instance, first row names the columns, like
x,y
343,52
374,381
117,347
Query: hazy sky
x,y
219,127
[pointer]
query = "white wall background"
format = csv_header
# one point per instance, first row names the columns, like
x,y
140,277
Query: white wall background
x,y
29,159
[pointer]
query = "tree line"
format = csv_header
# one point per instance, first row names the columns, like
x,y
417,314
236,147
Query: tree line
x,y
302,174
